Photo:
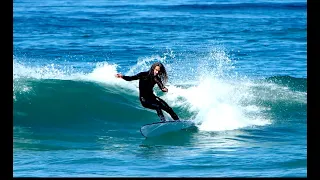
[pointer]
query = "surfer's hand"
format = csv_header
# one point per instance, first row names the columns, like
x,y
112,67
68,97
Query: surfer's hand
x,y
165,89
118,75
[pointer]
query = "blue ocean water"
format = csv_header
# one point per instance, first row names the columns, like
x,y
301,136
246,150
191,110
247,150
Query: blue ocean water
x,y
237,68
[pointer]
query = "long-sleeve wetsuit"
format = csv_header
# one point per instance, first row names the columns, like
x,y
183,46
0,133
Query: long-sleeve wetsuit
x,y
146,95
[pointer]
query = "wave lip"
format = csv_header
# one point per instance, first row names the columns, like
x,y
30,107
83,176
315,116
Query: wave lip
x,y
296,84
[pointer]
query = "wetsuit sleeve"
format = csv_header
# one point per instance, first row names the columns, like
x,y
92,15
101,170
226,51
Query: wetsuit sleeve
x,y
131,78
158,81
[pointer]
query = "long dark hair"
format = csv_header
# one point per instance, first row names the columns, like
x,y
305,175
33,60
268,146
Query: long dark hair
x,y
162,73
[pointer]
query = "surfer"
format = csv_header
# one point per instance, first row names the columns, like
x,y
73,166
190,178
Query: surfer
x,y
147,79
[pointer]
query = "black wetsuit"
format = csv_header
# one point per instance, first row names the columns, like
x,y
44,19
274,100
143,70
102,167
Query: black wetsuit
x,y
147,98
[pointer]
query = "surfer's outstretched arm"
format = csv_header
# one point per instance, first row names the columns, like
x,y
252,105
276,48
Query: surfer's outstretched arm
x,y
130,78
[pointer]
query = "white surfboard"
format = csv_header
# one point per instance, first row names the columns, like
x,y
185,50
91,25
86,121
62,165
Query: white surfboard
x,y
159,128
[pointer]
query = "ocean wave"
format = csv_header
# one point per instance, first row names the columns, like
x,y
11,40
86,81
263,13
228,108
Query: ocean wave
x,y
54,102
214,98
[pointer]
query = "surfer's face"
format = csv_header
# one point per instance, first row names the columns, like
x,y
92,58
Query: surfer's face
x,y
156,70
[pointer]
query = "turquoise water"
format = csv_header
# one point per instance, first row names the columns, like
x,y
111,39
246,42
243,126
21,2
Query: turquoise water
x,y
236,68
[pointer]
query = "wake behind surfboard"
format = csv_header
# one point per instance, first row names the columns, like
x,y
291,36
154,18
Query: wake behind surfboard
x,y
159,128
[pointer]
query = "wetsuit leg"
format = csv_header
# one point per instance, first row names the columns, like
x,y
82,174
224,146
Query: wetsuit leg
x,y
152,103
158,104
167,108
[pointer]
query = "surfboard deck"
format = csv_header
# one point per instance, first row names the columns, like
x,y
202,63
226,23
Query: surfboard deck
x,y
159,128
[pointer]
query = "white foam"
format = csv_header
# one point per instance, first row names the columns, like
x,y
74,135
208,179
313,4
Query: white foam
x,y
217,98
102,73
49,71
217,104
105,73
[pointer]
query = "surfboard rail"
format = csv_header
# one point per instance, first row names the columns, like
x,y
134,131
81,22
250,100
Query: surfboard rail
x,y
159,128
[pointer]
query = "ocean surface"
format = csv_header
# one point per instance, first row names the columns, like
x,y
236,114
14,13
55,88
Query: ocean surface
x,y
236,68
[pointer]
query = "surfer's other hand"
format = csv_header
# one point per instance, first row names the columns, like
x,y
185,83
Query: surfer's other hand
x,y
118,75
